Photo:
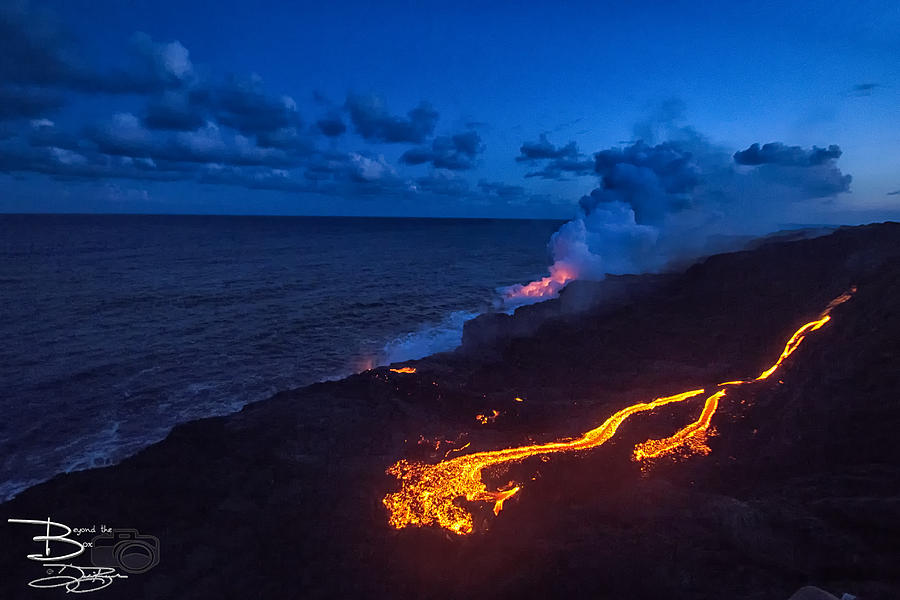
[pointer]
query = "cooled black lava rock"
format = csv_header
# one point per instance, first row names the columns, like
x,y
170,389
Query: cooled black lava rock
x,y
283,499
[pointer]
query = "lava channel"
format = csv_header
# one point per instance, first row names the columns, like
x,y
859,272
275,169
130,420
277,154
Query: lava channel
x,y
428,492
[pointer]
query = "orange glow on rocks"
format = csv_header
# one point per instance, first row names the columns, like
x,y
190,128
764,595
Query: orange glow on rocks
x,y
546,287
429,493
485,419
404,370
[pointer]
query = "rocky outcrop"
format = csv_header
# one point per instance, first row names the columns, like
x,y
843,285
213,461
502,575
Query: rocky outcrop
x,y
487,333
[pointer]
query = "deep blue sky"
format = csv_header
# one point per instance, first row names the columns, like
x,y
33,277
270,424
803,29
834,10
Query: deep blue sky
x,y
157,106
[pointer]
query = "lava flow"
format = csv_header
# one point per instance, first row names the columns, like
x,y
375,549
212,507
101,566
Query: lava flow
x,y
428,492
404,370
485,419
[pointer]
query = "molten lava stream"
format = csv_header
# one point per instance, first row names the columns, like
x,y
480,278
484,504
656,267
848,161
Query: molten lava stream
x,y
693,436
428,492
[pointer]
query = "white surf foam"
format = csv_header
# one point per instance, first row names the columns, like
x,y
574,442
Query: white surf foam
x,y
428,339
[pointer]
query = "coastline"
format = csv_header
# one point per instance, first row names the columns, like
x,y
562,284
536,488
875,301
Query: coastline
x,y
304,470
148,322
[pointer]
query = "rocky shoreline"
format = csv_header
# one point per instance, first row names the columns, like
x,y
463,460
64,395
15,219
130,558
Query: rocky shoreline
x,y
802,485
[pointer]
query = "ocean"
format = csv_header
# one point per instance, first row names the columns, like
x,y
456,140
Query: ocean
x,y
115,328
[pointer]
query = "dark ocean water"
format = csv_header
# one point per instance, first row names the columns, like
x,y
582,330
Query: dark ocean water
x,y
115,328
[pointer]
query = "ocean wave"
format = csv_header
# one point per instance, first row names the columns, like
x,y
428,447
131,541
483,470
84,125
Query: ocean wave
x,y
428,339
97,451
11,489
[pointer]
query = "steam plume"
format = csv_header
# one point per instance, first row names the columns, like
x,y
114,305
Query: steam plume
x,y
677,199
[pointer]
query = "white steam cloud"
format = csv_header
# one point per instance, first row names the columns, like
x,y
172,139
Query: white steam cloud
x,y
673,196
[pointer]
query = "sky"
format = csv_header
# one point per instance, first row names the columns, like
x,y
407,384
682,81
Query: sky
x,y
454,109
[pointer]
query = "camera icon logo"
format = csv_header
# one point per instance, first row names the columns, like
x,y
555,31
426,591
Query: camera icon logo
x,y
125,549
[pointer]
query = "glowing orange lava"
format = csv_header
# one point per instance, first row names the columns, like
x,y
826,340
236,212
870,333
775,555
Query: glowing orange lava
x,y
503,496
429,493
546,287
454,450
800,334
404,370
692,437
485,419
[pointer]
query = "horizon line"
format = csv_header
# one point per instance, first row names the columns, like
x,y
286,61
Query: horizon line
x,y
266,215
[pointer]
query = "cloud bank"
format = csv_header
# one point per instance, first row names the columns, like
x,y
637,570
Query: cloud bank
x,y
558,162
178,123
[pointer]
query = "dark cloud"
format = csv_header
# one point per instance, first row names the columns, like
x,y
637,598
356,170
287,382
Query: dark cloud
x,y
187,127
820,181
202,157
44,134
468,143
289,139
652,180
373,122
17,156
679,175
812,172
456,153
150,67
560,161
242,105
561,168
166,64
894,193
164,145
37,52
367,168
174,111
417,156
544,150
353,172
123,149
670,164
503,191
239,104
28,102
789,156
331,126
124,135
